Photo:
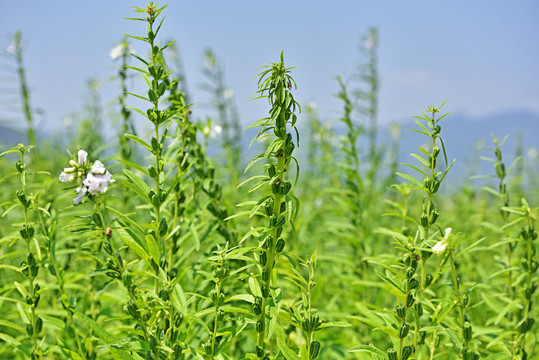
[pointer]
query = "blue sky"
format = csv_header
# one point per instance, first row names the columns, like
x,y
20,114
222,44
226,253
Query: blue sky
x,y
481,55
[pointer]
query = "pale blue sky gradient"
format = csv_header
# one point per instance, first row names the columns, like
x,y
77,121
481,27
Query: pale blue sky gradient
x,y
481,55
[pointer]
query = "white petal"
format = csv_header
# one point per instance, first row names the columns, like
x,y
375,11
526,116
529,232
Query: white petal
x,y
82,192
82,157
98,168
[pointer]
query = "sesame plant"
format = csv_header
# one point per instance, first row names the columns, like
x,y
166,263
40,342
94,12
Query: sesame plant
x,y
138,235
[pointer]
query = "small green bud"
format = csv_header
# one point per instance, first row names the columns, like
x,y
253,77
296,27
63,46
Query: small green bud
x,y
392,354
259,326
259,352
428,280
29,329
107,248
280,245
19,166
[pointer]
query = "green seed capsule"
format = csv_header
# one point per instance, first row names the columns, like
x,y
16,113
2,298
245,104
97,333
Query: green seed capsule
x,y
263,258
401,311
413,284
265,275
406,352
39,325
392,354
467,331
314,350
280,245
29,329
410,300
259,326
404,329
419,309
315,321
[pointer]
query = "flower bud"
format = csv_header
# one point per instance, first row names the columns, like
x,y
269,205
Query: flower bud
x,y
259,326
428,280
19,166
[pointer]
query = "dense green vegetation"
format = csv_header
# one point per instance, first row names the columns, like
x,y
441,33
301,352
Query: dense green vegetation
x,y
156,247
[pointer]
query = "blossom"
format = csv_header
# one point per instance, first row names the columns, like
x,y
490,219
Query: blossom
x,y
97,183
82,157
94,178
82,192
228,93
215,131
119,49
65,177
11,48
439,247
442,244
98,168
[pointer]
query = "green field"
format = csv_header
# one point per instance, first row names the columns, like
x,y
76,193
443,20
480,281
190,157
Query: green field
x,y
166,245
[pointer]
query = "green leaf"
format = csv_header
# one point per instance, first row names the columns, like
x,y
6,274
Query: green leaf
x,y
288,353
140,141
153,248
368,348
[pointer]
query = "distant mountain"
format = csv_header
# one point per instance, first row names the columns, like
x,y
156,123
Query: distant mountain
x,y
10,138
462,134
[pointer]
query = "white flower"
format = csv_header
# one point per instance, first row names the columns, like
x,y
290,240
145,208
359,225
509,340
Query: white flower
x,y
82,192
116,51
228,93
98,168
439,247
11,48
98,183
82,157
65,177
442,245
215,131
